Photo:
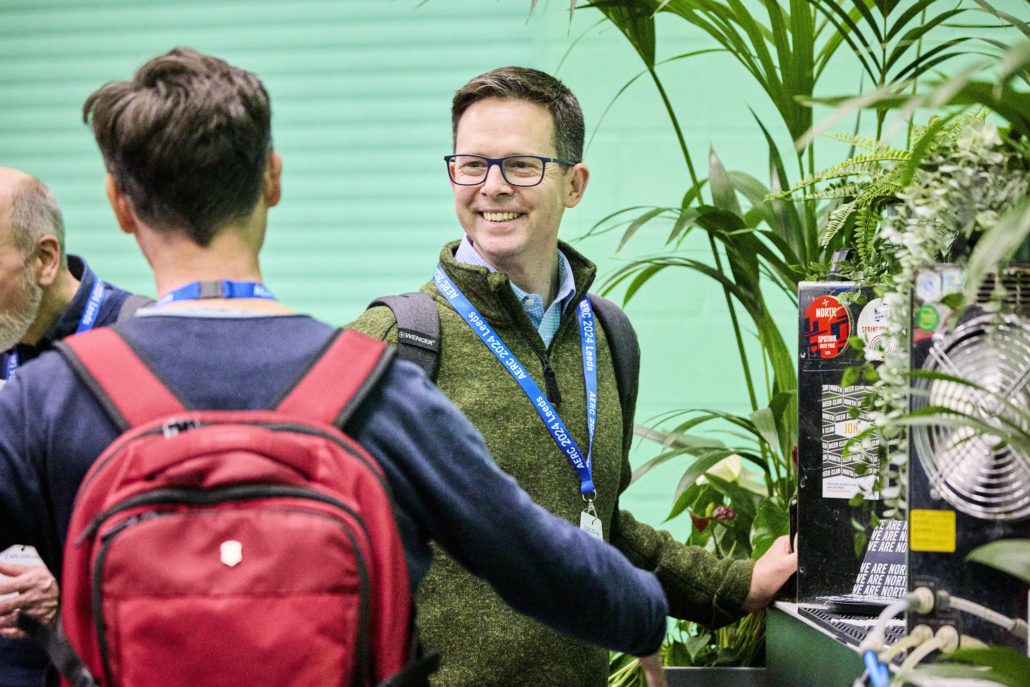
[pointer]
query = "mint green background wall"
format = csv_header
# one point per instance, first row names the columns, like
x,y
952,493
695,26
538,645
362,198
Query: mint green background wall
x,y
360,92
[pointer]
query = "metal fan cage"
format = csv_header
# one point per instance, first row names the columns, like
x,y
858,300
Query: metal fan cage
x,y
972,469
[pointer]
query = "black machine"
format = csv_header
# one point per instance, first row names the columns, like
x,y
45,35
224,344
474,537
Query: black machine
x,y
966,488
829,474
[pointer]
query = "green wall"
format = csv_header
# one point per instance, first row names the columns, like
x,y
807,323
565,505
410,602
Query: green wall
x,y
357,82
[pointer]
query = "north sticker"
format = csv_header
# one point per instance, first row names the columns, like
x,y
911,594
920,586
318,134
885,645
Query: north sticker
x,y
827,327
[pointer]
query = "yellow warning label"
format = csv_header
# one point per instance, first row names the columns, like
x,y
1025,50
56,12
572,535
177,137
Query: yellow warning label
x,y
932,530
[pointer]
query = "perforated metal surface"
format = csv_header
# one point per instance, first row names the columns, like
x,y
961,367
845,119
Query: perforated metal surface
x,y
967,465
852,629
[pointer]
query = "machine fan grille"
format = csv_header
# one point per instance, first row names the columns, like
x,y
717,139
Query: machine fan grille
x,y
972,470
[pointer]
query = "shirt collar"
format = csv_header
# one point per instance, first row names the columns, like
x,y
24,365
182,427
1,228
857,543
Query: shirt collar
x,y
566,284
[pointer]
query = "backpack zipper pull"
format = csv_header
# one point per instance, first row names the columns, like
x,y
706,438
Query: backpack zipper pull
x,y
173,427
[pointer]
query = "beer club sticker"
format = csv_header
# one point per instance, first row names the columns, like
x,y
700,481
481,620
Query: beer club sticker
x,y
827,327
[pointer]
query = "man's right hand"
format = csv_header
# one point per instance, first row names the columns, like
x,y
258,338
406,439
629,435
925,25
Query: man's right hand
x,y
37,595
771,572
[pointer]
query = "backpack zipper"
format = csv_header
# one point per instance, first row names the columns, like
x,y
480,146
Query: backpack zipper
x,y
193,497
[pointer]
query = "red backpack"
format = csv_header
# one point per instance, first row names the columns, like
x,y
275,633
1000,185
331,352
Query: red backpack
x,y
228,547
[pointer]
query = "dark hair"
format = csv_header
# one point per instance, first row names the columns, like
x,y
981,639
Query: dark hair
x,y
34,213
187,140
522,83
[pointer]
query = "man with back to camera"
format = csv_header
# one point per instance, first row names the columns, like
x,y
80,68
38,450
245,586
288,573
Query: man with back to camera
x,y
45,295
192,176
517,165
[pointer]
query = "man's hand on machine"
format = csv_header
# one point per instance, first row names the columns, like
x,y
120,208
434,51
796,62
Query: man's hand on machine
x,y
772,570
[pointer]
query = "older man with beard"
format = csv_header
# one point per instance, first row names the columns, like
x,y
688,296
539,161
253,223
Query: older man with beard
x,y
44,297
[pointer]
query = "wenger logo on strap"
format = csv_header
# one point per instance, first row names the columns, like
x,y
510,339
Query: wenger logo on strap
x,y
418,339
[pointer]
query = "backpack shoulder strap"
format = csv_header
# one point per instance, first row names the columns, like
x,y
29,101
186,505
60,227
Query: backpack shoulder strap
x,y
339,378
122,382
625,350
418,328
131,304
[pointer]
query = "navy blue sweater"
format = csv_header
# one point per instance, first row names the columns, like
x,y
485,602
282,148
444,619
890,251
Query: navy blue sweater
x,y
445,485
21,662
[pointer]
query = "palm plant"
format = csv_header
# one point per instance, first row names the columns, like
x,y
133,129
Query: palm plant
x,y
762,242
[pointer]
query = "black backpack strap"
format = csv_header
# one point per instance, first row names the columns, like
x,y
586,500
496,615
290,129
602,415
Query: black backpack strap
x,y
131,304
59,650
418,328
416,673
625,350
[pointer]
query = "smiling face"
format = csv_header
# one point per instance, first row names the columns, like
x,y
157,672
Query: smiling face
x,y
514,228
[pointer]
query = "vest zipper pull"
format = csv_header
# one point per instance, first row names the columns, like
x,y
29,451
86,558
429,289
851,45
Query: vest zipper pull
x,y
551,382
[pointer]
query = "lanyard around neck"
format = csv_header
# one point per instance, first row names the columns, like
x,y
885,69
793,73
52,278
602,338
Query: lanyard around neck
x,y
559,432
224,288
88,320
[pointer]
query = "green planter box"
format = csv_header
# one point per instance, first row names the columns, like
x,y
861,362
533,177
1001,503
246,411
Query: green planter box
x,y
716,677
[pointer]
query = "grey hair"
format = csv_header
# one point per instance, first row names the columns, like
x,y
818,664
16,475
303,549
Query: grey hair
x,y
34,214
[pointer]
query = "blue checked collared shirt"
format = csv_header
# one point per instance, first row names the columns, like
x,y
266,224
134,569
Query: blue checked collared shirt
x,y
545,320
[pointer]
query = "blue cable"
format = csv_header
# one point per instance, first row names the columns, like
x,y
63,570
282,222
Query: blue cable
x,y
878,674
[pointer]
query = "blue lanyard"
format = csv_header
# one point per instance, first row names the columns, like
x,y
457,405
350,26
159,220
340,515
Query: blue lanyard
x,y
224,288
561,435
89,319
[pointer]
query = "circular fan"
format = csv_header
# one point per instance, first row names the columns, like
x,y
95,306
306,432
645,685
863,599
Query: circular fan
x,y
972,470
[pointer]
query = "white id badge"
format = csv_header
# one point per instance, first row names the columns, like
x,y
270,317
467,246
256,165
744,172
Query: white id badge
x,y
19,555
589,523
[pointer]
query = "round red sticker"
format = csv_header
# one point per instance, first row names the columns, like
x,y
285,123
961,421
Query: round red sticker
x,y
827,327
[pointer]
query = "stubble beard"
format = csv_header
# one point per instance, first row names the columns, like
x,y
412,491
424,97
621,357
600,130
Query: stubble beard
x,y
14,324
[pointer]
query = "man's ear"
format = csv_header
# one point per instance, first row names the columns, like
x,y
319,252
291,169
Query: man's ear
x,y
273,189
123,211
576,180
46,260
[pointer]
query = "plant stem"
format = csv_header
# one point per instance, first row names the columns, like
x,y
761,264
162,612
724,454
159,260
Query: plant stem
x,y
915,82
711,240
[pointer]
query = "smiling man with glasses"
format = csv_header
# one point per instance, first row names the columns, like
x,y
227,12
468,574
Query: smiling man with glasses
x,y
520,352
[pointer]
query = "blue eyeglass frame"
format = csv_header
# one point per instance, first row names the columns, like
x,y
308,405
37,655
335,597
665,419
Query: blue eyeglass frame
x,y
491,161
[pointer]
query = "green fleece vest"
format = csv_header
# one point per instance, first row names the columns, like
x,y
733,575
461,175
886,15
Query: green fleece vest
x,y
483,642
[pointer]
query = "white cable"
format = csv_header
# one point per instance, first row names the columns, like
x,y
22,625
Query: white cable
x,y
946,640
919,653
921,599
1013,625
919,634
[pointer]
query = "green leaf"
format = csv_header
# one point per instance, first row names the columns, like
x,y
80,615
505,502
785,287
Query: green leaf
x,y
998,663
771,521
996,246
765,422
1010,556
850,376
724,195
636,22
637,223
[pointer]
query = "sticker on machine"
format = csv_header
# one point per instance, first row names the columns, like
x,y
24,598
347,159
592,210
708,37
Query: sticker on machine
x,y
827,327
872,329
849,467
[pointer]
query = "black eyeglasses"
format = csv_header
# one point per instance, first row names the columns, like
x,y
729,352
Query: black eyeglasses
x,y
517,170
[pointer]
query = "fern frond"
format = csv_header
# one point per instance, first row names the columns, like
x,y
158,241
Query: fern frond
x,y
866,221
837,192
864,165
834,222
860,142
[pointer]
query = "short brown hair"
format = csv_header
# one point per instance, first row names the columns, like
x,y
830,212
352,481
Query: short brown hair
x,y
522,83
187,140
